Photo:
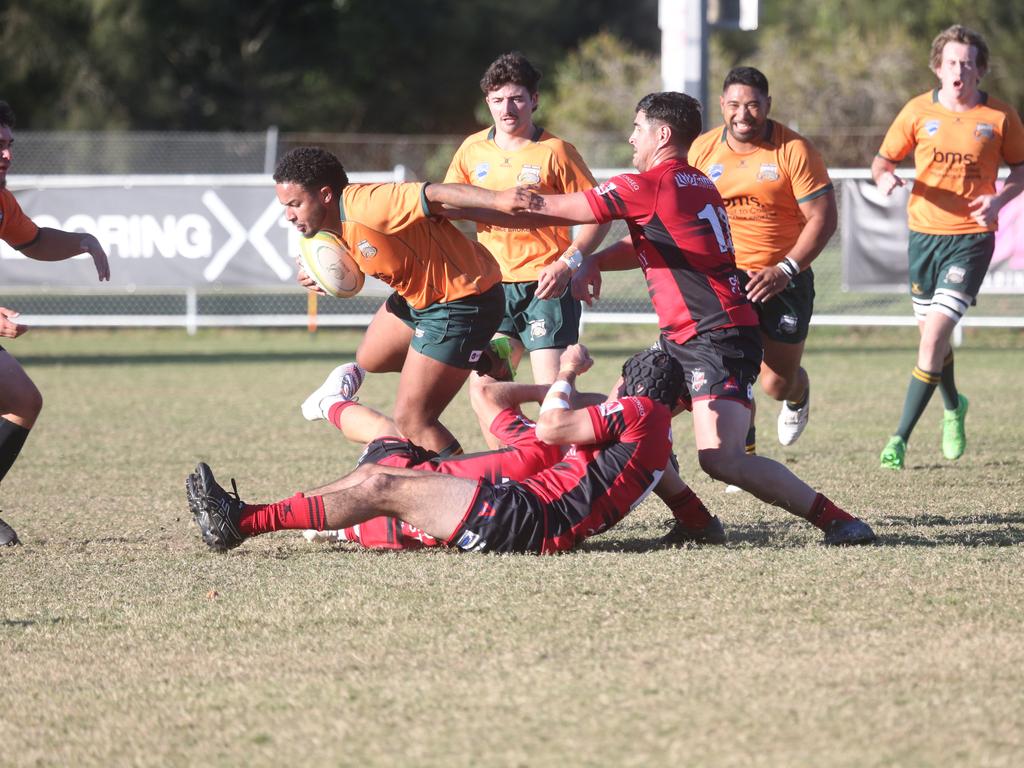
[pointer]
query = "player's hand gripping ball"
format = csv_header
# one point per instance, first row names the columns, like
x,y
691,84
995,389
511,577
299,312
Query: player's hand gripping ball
x,y
328,262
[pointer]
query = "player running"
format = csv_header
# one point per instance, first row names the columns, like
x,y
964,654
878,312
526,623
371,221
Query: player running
x,y
20,400
782,212
617,452
959,135
435,328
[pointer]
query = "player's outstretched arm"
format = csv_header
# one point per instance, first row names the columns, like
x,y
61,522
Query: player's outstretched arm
x,y
57,245
558,424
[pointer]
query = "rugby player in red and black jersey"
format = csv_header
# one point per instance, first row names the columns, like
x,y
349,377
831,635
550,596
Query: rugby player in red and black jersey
x,y
618,451
679,235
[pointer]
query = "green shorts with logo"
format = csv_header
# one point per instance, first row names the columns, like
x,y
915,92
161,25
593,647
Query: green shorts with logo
x,y
787,317
948,262
540,323
453,332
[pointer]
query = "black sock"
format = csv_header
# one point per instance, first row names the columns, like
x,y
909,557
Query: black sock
x,y
12,438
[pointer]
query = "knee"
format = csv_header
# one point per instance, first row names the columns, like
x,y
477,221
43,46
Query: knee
x,y
411,421
774,386
719,464
27,402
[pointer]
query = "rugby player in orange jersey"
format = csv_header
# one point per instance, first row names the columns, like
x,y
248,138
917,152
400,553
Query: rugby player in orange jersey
x,y
20,400
782,212
960,136
436,327
541,314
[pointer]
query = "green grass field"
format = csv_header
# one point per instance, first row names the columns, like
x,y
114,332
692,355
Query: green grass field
x,y
124,641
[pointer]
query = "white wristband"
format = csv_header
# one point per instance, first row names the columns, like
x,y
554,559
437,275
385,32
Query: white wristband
x,y
554,403
552,399
790,267
573,259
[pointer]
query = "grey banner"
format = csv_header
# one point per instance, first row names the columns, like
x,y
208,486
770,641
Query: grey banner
x,y
168,235
874,238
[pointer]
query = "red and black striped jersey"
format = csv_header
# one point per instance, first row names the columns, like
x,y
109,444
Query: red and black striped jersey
x,y
596,485
680,230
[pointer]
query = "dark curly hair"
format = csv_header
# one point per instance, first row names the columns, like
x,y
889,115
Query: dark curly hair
x,y
677,110
654,374
510,69
6,114
311,168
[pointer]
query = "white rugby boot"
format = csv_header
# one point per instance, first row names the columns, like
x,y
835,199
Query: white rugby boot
x,y
341,384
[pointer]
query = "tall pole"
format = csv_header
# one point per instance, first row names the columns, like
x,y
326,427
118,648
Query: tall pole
x,y
684,47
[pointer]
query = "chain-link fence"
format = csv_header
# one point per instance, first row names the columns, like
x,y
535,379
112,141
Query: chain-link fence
x,y
624,296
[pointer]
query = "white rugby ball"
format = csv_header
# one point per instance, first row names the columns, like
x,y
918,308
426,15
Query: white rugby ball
x,y
325,258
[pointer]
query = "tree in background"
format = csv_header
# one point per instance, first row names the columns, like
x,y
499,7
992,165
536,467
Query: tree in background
x,y
596,89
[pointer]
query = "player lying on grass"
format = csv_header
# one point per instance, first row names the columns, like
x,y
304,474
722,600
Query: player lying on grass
x,y
679,236
496,405
617,453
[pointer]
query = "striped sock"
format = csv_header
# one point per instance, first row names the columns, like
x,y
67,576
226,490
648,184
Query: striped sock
x,y
919,392
299,512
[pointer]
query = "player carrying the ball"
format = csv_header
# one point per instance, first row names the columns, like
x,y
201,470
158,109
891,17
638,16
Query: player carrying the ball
x,y
436,327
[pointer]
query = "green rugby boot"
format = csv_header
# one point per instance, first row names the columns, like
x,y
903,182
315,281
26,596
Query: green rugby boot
x,y
954,437
893,453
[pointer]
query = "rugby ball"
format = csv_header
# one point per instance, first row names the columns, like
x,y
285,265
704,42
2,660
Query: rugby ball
x,y
328,262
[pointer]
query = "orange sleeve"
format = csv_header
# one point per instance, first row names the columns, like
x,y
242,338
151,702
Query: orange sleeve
x,y
699,151
457,173
807,172
901,137
570,170
386,208
16,229
1013,139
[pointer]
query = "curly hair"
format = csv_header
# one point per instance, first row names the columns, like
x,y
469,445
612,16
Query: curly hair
x,y
6,114
510,69
311,168
677,110
960,34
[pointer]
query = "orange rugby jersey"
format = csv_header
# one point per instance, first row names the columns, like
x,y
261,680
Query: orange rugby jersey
x,y
16,229
956,156
547,161
392,236
763,189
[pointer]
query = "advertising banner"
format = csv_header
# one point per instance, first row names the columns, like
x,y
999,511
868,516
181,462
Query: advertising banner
x,y
874,238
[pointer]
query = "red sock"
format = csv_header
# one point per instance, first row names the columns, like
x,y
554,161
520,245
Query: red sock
x,y
298,511
689,510
388,533
823,512
334,412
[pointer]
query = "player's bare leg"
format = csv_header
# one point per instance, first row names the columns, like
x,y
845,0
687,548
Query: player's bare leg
x,y
385,343
516,356
401,493
719,428
425,389
785,380
20,404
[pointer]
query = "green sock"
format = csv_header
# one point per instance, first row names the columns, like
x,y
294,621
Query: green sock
x,y
947,386
919,392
